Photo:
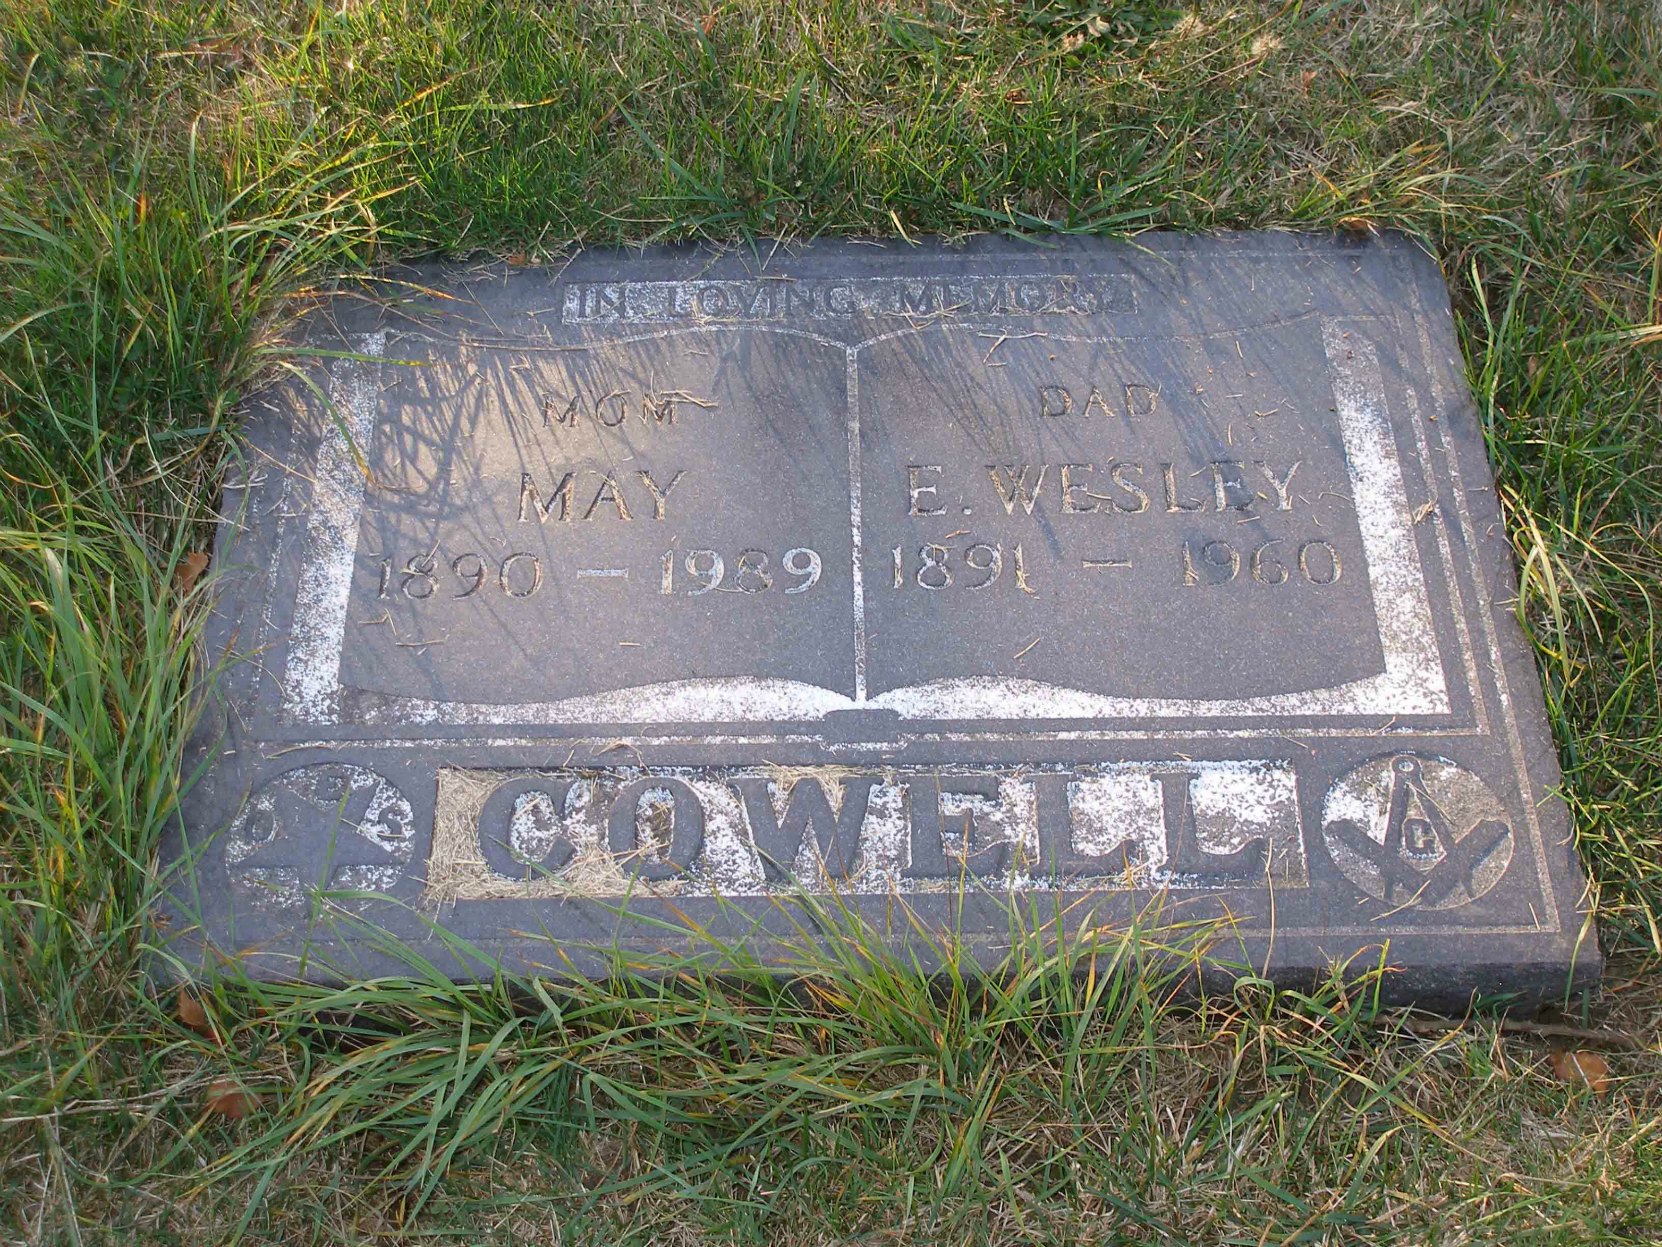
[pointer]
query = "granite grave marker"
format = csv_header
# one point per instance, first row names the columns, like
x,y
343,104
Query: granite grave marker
x,y
567,606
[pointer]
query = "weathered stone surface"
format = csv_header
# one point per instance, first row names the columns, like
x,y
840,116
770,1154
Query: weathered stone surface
x,y
651,590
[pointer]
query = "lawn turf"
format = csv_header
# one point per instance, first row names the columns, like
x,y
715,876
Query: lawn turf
x,y
177,180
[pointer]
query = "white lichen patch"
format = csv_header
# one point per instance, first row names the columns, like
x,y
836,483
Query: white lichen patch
x,y
885,848
737,699
1413,678
730,864
1234,802
1121,808
311,679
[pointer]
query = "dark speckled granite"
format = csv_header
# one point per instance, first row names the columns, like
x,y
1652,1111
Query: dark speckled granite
x,y
570,606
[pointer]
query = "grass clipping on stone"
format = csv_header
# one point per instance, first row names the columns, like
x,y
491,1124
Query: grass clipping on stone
x,y
177,180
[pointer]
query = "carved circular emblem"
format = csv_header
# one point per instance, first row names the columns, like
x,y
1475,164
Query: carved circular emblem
x,y
336,826
1414,830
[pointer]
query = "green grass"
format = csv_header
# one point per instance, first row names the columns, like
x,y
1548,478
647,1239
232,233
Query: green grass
x,y
178,179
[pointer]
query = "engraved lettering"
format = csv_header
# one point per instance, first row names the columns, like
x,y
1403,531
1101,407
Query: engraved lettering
x,y
477,575
1186,860
917,297
713,300
1170,822
1077,498
933,572
551,413
518,575
779,836
1168,473
1326,569
619,405
531,503
1219,562
916,490
656,827
1117,473
935,568
1227,477
419,582
608,492
520,814
801,561
660,408
1214,557
1058,858
706,566
660,494
1012,488
1266,570
990,562
1022,582
1096,401
1055,400
752,571
612,410
819,299
1140,400
930,828
1281,484
523,567
1220,554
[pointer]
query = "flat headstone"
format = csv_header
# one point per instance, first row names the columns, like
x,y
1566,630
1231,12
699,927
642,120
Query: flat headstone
x,y
568,610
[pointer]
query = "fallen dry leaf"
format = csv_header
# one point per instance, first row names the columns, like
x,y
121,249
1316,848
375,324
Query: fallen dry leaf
x,y
709,24
226,1098
193,1015
189,571
1584,1068
1357,227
